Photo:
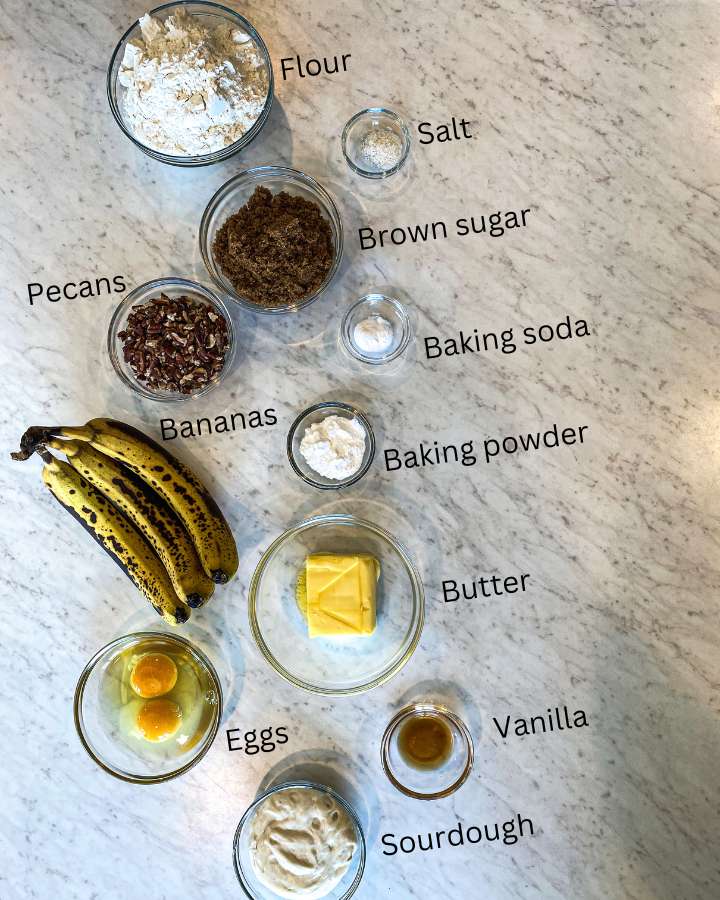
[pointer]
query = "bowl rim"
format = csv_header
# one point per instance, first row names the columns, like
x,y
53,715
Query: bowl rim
x,y
443,712
303,785
259,174
369,451
192,287
80,692
204,159
404,130
415,580
402,315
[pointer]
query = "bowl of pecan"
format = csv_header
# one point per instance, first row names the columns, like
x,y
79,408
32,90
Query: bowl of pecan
x,y
171,339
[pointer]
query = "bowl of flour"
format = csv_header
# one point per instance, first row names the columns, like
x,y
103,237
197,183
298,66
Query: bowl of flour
x,y
190,83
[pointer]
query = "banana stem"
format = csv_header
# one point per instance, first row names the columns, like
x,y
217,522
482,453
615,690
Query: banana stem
x,y
46,457
34,438
38,435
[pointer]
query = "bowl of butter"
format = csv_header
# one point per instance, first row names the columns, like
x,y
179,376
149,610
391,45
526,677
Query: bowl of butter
x,y
336,605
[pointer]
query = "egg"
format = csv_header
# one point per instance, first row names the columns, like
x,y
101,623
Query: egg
x,y
153,675
127,719
158,720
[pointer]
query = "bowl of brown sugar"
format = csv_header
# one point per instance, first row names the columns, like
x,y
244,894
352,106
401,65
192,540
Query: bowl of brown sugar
x,y
272,239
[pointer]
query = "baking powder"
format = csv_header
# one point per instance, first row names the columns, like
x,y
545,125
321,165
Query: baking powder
x,y
334,447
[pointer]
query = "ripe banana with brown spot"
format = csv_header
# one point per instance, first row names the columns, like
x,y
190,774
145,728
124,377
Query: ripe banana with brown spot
x,y
173,480
115,534
149,512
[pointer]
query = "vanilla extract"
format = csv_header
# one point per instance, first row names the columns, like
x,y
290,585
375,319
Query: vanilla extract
x,y
556,719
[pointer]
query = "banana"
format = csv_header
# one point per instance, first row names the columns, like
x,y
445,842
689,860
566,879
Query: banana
x,y
173,480
149,512
115,534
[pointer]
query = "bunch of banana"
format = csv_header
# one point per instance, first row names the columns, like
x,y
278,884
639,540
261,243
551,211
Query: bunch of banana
x,y
143,506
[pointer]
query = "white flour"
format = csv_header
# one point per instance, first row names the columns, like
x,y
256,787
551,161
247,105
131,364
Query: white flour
x,y
191,89
334,448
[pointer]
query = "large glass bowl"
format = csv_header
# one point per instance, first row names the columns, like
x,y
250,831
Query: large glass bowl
x,y
212,14
236,193
242,858
337,665
98,722
171,287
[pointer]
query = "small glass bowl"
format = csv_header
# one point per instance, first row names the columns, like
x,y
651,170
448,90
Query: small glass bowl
x,y
356,129
311,416
235,193
100,735
428,784
338,665
242,858
214,14
376,305
172,287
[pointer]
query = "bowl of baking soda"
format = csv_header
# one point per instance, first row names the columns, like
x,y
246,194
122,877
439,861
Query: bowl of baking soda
x,y
375,329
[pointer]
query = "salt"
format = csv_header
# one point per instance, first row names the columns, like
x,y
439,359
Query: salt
x,y
380,148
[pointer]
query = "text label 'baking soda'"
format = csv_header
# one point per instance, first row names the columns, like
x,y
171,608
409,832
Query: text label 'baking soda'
x,y
475,341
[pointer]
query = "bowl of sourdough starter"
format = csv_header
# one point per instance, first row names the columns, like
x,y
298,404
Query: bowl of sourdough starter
x,y
322,840
157,66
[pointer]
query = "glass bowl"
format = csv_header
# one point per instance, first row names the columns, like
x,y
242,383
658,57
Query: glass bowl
x,y
213,14
172,287
428,784
363,122
337,665
376,305
235,193
101,711
254,888
318,413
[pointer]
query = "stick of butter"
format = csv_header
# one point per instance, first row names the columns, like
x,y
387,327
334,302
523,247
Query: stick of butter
x,y
337,594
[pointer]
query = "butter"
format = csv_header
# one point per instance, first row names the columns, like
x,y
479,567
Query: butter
x,y
337,594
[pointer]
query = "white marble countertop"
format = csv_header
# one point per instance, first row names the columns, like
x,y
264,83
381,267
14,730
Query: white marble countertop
x,y
601,118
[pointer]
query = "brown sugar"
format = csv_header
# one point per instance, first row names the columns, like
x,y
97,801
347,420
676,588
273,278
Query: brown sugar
x,y
276,249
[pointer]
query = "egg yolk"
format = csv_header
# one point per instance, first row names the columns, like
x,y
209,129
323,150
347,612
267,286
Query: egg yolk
x,y
158,719
153,675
